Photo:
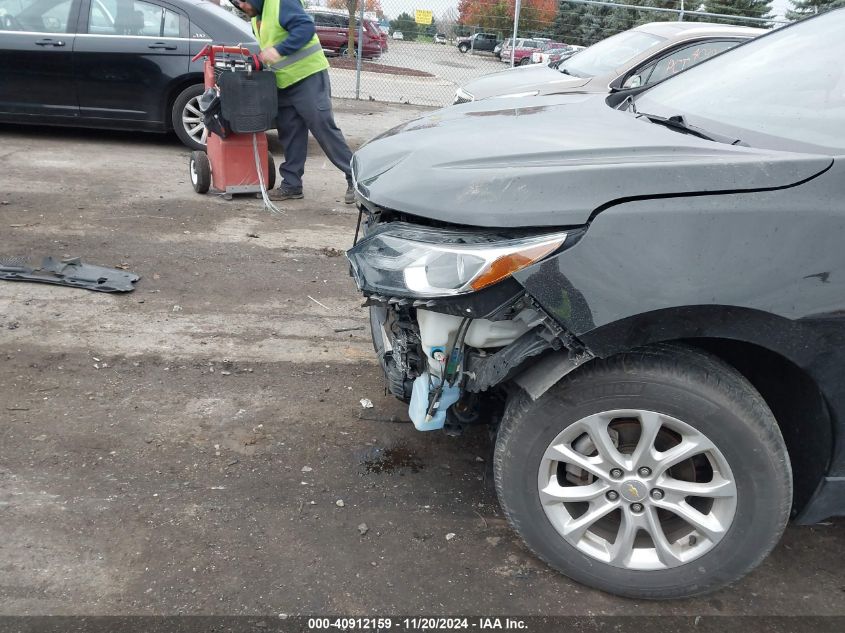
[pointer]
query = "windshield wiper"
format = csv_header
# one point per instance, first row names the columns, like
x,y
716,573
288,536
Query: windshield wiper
x,y
677,122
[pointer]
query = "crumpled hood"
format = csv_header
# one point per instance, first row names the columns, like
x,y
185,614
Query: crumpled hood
x,y
523,79
553,161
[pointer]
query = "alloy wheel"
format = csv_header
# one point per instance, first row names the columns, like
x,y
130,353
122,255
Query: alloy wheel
x,y
193,122
637,489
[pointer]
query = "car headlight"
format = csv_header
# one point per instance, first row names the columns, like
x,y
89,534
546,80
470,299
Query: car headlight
x,y
401,259
516,95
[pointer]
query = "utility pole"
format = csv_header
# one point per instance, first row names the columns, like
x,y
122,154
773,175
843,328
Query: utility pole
x,y
515,29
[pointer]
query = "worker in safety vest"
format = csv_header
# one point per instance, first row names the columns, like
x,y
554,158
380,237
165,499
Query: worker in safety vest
x,y
289,45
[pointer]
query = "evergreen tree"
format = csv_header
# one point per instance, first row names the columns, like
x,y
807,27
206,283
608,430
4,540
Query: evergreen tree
x,y
806,8
567,24
405,23
596,24
748,8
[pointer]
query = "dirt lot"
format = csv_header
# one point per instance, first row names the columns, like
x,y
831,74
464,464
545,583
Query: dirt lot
x,y
198,446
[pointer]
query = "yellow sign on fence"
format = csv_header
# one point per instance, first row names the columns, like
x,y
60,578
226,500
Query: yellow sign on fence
x,y
423,16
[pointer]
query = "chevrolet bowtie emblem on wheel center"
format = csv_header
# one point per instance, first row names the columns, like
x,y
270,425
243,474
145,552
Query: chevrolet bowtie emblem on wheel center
x,y
633,491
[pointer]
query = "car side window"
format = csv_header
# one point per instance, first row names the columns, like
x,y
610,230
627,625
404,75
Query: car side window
x,y
129,17
170,24
320,19
38,16
683,58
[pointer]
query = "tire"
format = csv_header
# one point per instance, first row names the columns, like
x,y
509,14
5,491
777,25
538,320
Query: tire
x,y
341,52
676,390
524,61
463,48
186,120
271,172
200,169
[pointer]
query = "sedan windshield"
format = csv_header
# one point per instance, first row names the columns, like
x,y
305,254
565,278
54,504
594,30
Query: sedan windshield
x,y
609,54
785,90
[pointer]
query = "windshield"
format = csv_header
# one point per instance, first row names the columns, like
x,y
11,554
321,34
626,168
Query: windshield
x,y
789,85
610,54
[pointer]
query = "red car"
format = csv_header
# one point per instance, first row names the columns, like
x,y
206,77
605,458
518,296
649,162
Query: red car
x,y
521,52
333,31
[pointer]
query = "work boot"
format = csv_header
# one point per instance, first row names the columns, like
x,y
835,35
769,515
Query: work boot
x,y
349,197
285,193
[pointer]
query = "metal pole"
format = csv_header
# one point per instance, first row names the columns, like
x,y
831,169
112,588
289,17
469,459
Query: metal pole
x,y
516,10
358,58
681,14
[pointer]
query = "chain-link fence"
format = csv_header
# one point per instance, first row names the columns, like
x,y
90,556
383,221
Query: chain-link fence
x,y
421,51
431,47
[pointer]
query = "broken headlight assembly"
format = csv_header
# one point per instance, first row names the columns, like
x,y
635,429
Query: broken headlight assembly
x,y
406,260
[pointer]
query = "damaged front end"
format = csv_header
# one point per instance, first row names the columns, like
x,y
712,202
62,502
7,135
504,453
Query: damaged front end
x,y
451,326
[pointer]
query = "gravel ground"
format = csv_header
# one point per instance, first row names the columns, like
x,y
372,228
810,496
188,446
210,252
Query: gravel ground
x,y
198,445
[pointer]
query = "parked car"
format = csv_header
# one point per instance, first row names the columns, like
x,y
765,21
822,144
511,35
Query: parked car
x,y
497,50
536,56
641,56
440,38
397,35
643,293
121,64
521,52
477,43
551,55
333,30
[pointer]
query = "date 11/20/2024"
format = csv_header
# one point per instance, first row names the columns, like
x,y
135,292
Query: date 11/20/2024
x,y
417,624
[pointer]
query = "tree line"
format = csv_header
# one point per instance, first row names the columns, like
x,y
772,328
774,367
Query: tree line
x,y
583,24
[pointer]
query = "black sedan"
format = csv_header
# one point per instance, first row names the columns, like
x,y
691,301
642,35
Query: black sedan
x,y
122,64
644,294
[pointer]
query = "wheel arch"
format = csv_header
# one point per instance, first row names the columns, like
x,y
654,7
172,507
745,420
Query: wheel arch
x,y
774,354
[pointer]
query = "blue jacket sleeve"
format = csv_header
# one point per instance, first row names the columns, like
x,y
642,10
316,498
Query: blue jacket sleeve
x,y
298,24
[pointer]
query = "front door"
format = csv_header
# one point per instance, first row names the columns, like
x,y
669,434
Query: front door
x,y
126,57
36,48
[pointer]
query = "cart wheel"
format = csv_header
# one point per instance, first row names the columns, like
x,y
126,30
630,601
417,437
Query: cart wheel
x,y
200,172
271,172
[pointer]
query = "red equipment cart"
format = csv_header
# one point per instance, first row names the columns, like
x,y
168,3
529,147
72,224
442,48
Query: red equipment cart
x,y
229,164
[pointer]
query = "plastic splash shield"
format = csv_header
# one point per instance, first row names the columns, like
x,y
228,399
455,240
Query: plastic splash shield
x,y
424,388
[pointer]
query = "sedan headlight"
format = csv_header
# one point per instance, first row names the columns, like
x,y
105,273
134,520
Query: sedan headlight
x,y
401,259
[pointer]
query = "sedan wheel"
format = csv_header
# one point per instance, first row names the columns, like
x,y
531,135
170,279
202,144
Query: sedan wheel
x,y
192,121
187,118
653,474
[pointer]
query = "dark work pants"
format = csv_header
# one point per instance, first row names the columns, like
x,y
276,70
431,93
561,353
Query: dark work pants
x,y
304,106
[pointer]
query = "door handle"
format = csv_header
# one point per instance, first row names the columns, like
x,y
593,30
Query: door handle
x,y
163,46
49,42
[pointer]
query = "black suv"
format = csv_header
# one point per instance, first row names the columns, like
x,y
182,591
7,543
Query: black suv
x,y
479,42
644,293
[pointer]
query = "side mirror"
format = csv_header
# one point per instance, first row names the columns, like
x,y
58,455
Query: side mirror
x,y
634,81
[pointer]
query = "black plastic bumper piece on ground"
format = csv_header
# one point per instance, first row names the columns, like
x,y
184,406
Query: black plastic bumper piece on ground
x,y
68,272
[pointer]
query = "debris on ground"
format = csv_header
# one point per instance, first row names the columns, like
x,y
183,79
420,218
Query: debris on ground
x,y
68,272
307,469
450,536
328,251
363,529
366,403
348,329
339,503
